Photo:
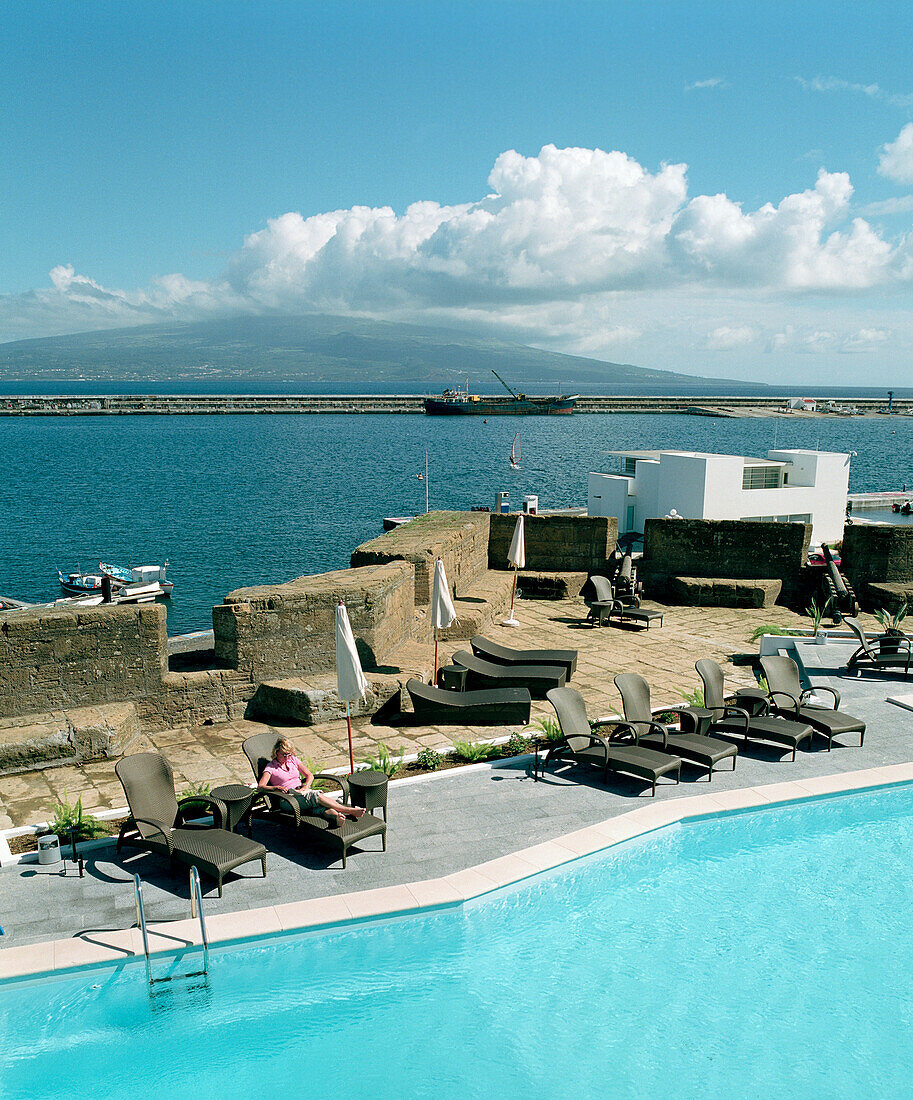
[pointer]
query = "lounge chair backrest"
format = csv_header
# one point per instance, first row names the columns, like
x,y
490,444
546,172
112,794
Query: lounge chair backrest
x,y
259,751
148,782
571,711
856,626
603,589
713,679
635,697
782,674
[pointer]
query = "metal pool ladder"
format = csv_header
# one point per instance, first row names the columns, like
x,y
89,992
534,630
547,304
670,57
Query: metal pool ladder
x,y
196,910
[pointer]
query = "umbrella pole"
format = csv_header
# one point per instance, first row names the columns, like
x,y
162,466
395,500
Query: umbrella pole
x,y
513,593
434,676
349,727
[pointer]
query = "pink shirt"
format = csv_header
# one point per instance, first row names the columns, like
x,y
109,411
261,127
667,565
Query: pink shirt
x,y
286,776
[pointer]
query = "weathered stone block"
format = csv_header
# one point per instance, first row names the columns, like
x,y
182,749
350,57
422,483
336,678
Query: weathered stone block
x,y
103,732
726,550
555,543
459,539
701,592
315,700
877,553
887,595
276,629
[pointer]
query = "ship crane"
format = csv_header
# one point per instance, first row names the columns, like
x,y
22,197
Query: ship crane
x,y
518,396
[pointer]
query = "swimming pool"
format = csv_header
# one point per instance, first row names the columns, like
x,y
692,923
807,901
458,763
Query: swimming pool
x,y
761,952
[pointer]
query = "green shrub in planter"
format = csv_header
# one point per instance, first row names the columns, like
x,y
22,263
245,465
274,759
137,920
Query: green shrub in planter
x,y
473,752
84,826
517,745
547,729
385,761
428,760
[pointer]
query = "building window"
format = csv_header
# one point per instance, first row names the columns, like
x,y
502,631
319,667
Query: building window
x,y
629,466
761,477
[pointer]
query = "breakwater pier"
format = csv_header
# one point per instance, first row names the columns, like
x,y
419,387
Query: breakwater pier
x,y
197,404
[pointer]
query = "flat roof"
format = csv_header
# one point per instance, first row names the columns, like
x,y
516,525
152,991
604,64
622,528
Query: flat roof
x,y
655,455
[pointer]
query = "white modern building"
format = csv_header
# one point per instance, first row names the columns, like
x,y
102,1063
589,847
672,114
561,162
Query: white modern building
x,y
787,486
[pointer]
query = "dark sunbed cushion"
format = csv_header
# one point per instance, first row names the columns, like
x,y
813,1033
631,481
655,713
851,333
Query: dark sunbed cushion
x,y
537,679
502,655
495,707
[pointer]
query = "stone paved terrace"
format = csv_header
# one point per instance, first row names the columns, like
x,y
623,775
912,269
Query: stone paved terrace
x,y
212,753
441,827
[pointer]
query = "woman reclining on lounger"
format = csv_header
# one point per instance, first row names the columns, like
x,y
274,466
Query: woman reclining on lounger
x,y
286,773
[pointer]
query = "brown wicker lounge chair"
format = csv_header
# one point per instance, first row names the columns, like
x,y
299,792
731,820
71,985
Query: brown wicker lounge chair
x,y
732,717
283,808
502,655
882,652
537,679
696,748
496,707
157,825
788,699
585,746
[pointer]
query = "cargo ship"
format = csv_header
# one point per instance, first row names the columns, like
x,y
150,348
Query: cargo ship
x,y
464,403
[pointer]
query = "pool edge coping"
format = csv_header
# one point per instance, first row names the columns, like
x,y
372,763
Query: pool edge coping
x,y
120,946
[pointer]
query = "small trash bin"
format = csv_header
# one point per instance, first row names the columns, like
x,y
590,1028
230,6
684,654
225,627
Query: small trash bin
x,y
49,848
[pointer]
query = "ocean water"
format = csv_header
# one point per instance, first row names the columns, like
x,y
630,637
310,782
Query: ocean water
x,y
761,954
232,501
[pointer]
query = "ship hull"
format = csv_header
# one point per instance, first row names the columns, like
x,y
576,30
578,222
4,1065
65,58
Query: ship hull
x,y
496,406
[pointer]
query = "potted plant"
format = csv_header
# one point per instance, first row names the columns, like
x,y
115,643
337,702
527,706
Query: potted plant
x,y
890,624
816,613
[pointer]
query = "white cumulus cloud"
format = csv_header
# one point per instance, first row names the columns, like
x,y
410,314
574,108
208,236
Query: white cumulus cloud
x,y
897,157
566,249
726,337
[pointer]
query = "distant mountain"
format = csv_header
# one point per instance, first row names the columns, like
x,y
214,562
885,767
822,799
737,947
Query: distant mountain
x,y
318,349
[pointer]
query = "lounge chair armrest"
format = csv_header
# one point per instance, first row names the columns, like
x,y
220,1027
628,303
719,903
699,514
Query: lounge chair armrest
x,y
622,727
277,799
737,712
793,701
340,782
814,691
658,726
679,711
738,701
206,802
159,826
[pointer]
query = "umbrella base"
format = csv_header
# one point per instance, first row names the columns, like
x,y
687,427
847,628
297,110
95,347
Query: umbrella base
x,y
510,621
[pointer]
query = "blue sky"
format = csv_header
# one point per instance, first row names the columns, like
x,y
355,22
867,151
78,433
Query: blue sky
x,y
718,188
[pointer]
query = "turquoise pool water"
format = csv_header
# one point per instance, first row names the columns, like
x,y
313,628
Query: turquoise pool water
x,y
760,954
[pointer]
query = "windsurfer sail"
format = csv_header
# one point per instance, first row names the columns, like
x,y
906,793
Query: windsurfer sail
x,y
516,452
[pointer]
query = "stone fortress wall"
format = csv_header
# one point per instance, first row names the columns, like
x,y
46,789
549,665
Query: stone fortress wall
x,y
275,641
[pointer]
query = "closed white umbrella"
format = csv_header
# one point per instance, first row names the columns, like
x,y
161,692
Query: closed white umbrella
x,y
351,682
443,612
516,556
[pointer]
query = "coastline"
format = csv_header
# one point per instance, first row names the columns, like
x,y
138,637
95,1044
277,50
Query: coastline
x,y
722,405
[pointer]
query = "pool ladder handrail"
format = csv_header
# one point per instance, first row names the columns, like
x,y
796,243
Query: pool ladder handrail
x,y
196,910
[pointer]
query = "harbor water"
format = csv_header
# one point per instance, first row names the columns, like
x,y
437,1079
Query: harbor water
x,y
242,500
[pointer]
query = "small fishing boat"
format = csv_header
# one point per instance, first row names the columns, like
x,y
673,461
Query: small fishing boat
x,y
516,452
79,583
138,574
